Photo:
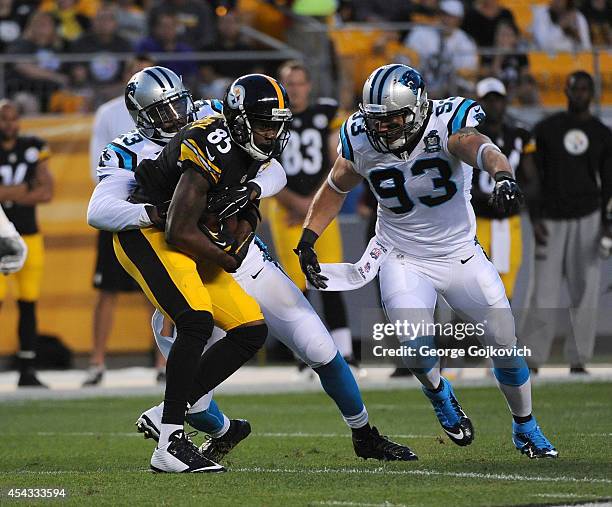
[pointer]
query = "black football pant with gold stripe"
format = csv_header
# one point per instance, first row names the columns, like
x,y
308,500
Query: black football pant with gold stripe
x,y
194,300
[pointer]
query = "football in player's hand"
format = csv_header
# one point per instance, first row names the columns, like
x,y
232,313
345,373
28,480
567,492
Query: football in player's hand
x,y
212,223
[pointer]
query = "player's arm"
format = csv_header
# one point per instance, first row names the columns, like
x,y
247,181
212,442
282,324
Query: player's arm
x,y
12,192
270,180
109,210
42,187
187,206
324,208
476,149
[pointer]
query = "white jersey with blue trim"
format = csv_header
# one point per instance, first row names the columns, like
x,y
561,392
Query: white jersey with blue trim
x,y
128,150
423,197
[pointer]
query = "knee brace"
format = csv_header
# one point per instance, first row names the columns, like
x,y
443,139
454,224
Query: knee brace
x,y
250,339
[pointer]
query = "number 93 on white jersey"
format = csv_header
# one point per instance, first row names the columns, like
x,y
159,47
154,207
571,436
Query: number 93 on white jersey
x,y
423,197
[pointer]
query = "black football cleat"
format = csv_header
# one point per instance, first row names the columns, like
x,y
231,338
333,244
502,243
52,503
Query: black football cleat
x,y
377,446
216,449
180,455
28,378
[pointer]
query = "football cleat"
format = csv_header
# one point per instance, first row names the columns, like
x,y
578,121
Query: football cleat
x,y
216,449
452,418
377,446
149,422
180,455
28,378
95,374
529,439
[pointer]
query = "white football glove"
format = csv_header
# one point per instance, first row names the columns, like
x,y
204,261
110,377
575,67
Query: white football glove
x,y
13,253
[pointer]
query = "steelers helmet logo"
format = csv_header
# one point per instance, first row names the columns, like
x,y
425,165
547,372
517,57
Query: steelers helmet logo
x,y
235,97
576,142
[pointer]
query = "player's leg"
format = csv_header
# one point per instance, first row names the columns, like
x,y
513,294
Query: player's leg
x,y
477,294
409,295
292,319
583,271
171,283
29,279
240,316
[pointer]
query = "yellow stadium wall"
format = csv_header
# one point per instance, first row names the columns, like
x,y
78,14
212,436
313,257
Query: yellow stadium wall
x,y
67,299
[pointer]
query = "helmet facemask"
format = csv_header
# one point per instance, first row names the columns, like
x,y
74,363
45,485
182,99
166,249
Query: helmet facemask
x,y
163,119
391,131
262,137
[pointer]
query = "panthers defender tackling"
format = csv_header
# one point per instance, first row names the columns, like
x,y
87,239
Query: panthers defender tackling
x,y
410,150
286,310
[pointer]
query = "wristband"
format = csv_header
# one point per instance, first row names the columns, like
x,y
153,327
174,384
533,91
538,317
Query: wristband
x,y
334,187
308,238
480,153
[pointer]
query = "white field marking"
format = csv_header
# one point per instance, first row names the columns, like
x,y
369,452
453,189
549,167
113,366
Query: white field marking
x,y
359,504
462,475
562,495
300,434
352,471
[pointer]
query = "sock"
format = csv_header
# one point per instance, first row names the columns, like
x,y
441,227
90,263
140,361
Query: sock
x,y
223,358
223,430
210,421
165,431
514,383
193,329
27,328
339,383
522,420
429,378
518,398
343,340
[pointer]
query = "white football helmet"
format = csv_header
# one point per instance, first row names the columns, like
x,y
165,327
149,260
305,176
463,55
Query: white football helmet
x,y
394,106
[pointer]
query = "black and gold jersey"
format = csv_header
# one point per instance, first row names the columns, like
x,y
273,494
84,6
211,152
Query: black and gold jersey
x,y
17,166
306,156
204,146
514,142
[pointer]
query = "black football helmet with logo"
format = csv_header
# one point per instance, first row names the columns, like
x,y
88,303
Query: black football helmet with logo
x,y
256,109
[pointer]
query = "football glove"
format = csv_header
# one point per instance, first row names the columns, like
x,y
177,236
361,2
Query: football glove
x,y
222,238
239,251
308,260
228,201
13,253
506,196
158,214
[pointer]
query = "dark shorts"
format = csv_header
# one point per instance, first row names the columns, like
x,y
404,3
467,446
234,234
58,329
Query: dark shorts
x,y
110,275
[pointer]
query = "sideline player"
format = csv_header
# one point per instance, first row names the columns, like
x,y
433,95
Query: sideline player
x,y
410,150
306,160
24,167
286,310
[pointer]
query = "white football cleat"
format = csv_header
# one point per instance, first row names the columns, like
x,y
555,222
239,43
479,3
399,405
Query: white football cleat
x,y
180,455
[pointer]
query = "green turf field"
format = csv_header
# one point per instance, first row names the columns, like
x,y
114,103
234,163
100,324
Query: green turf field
x,y
300,453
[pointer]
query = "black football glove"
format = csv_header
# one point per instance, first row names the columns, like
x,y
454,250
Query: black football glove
x,y
506,196
221,238
158,214
228,202
308,259
239,251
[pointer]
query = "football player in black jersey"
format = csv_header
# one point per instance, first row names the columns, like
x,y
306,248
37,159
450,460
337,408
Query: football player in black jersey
x,y
500,233
185,272
25,181
307,160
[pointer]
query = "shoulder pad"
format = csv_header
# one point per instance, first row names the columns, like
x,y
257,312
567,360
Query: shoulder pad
x,y
350,130
458,112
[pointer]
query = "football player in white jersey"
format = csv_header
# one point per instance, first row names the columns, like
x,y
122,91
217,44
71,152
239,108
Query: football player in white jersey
x,y
410,150
287,312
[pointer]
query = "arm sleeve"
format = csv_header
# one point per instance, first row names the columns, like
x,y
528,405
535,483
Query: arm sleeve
x,y
271,178
108,208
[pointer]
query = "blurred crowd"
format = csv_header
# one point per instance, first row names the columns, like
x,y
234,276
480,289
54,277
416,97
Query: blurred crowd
x,y
454,43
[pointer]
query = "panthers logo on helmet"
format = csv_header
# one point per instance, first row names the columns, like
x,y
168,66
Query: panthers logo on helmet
x,y
412,80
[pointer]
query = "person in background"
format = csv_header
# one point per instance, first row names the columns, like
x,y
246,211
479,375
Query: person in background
x,y
13,18
482,20
103,39
307,160
573,225
598,14
499,233
560,27
164,38
72,23
195,20
25,183
111,120
131,19
42,77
